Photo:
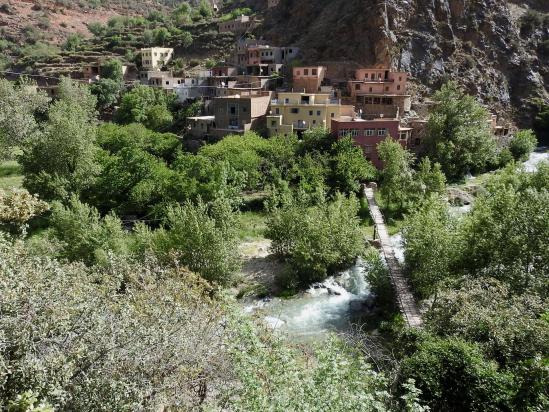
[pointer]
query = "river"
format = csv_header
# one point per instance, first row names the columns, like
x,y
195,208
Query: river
x,y
335,304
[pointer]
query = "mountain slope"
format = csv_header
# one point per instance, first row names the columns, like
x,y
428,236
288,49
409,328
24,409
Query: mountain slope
x,y
489,46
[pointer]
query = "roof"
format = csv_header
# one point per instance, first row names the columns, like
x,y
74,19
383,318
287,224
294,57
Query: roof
x,y
345,119
201,118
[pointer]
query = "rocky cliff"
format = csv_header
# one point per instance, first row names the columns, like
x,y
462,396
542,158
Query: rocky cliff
x,y
497,49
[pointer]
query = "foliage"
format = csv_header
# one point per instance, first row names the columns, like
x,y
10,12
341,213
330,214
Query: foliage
x,y
62,160
86,236
275,377
430,246
112,69
397,174
124,337
200,236
454,376
21,105
145,105
349,166
73,42
457,135
508,327
107,92
522,144
18,206
316,240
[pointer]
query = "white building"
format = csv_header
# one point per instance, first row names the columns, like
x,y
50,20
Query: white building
x,y
154,58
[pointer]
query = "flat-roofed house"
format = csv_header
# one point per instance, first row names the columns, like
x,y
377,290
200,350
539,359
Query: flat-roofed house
x,y
238,114
295,112
367,134
154,58
308,79
380,92
240,25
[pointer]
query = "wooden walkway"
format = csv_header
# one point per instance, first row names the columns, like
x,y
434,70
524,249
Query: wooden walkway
x,y
406,301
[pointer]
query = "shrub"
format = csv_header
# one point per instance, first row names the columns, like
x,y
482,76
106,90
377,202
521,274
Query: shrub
x,y
522,144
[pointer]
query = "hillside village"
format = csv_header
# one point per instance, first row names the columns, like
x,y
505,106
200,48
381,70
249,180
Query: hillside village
x,y
274,205
264,88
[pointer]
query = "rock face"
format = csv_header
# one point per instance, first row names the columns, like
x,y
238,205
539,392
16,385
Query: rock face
x,y
497,49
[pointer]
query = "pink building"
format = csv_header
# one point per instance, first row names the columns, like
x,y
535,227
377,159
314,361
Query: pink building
x,y
380,92
367,134
308,79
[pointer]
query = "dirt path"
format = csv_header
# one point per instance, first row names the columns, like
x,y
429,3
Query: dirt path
x,y
259,267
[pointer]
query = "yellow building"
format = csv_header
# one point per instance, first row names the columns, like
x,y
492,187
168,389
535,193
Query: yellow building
x,y
294,112
154,58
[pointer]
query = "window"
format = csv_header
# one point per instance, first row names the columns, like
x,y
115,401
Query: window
x,y
318,112
286,101
314,72
232,110
373,76
305,72
233,122
398,86
310,112
357,87
381,132
370,90
294,110
369,132
399,78
314,121
277,110
386,88
377,100
298,73
332,114
273,123
354,132
167,82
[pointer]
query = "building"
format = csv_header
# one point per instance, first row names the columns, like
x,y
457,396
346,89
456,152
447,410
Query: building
x,y
155,58
240,55
308,79
200,126
380,92
264,60
296,112
164,80
224,71
367,134
240,25
238,114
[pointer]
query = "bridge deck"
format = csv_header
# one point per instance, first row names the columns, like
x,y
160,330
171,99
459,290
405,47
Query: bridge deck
x,y
406,301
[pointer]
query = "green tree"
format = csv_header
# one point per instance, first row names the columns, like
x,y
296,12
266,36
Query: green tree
x,y
522,144
397,174
203,237
430,246
317,240
17,207
112,69
457,135
161,36
453,375
62,160
21,105
349,166
107,92
86,236
145,105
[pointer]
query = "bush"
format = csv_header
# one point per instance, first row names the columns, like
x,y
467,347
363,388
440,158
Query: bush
x,y
522,144
316,241
202,237
86,236
454,376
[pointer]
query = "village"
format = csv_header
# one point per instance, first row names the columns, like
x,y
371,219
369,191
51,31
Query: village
x,y
266,89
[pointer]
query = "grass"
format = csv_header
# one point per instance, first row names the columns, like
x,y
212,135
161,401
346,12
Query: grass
x,y
10,175
252,225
